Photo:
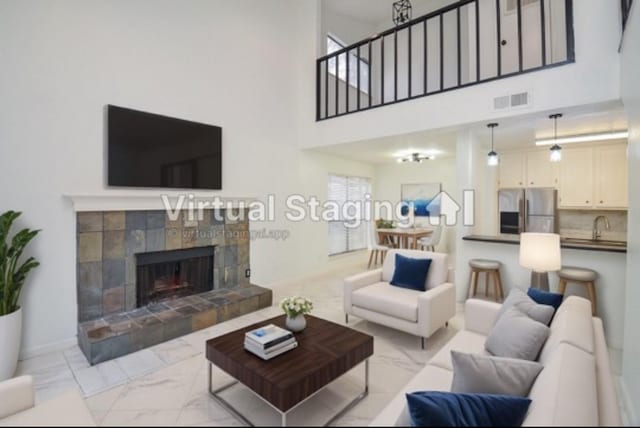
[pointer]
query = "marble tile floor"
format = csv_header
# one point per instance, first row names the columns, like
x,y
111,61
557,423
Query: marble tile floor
x,y
166,384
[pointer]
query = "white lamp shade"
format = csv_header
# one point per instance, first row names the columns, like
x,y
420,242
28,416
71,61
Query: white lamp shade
x,y
540,252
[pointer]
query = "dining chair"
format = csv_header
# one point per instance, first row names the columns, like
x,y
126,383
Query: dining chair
x,y
428,243
377,249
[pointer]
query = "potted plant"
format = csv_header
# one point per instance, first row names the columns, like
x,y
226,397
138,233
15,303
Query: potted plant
x,y
12,277
295,307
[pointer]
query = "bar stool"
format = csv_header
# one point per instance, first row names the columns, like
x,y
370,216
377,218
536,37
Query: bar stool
x,y
491,269
582,276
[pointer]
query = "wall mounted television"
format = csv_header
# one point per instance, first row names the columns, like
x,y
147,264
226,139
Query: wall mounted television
x,y
150,150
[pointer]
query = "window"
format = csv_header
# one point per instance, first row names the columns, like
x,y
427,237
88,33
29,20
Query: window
x,y
334,45
343,238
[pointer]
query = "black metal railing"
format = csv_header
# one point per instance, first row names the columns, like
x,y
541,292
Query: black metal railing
x,y
625,6
463,44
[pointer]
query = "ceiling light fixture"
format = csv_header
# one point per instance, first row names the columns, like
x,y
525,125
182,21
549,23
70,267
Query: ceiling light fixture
x,y
492,156
401,12
585,138
415,157
556,150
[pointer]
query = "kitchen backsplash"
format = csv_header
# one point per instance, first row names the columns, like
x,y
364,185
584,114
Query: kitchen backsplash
x,y
579,224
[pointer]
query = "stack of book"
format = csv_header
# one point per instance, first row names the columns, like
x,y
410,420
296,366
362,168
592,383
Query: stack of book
x,y
269,341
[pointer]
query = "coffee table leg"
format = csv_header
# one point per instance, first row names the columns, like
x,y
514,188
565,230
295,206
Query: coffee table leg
x,y
222,402
356,400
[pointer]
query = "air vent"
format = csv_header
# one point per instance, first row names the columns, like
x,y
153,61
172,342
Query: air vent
x,y
512,5
521,99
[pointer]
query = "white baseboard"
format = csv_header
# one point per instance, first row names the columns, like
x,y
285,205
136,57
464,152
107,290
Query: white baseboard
x,y
627,404
50,347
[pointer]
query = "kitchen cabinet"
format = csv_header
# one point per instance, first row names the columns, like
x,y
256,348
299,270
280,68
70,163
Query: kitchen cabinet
x,y
611,187
576,178
594,177
511,170
541,172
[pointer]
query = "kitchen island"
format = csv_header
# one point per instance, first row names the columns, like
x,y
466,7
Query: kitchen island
x,y
608,260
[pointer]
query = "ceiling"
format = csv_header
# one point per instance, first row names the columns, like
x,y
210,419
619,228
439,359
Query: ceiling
x,y
378,11
517,132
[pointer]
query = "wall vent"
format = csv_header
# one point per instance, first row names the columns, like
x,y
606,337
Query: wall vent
x,y
521,99
512,5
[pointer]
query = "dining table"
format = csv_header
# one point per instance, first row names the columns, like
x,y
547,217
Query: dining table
x,y
403,237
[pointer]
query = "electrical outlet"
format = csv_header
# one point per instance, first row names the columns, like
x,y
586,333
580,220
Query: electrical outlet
x,y
247,273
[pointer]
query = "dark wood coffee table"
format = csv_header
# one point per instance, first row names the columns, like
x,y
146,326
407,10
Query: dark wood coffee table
x,y
325,352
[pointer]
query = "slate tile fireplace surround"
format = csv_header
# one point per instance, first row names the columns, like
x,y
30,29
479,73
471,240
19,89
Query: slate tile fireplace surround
x,y
143,278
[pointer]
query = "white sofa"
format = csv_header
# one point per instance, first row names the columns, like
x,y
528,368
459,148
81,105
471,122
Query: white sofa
x,y
18,408
369,296
576,386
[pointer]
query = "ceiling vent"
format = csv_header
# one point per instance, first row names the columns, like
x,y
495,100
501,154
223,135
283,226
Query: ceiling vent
x,y
521,99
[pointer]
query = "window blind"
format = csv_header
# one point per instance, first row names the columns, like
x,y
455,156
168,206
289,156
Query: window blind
x,y
342,236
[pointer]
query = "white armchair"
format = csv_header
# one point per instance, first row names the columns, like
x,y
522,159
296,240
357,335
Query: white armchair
x,y
369,296
18,408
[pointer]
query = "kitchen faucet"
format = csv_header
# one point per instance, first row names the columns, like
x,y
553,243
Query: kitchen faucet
x,y
597,233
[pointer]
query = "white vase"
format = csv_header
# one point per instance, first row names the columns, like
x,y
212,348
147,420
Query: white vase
x,y
296,324
10,337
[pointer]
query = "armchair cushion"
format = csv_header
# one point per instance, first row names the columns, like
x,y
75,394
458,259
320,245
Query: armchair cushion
x,y
16,395
410,273
393,301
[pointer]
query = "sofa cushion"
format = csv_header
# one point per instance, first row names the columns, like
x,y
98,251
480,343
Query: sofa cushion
x,y
545,297
565,392
410,273
464,341
396,413
446,409
515,335
518,299
480,374
393,301
438,271
573,323
65,410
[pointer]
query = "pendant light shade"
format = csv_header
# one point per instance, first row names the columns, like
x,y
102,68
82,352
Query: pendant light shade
x,y
492,156
556,150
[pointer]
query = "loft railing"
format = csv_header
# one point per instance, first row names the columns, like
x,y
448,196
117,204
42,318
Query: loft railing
x,y
463,44
626,8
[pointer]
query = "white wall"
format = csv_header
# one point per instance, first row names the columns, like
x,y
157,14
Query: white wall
x,y
243,65
631,98
390,177
594,78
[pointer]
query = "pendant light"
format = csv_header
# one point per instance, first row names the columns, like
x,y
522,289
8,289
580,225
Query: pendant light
x,y
492,156
556,150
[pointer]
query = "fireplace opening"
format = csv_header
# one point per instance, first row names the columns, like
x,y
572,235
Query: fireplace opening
x,y
164,275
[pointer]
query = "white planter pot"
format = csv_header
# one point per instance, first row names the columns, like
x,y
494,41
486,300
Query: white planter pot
x,y
10,337
295,324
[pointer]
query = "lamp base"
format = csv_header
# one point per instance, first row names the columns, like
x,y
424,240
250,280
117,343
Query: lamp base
x,y
540,280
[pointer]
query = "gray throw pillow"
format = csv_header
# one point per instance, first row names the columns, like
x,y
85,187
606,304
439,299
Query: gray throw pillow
x,y
481,374
525,304
515,335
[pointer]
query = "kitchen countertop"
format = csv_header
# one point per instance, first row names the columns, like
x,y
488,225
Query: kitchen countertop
x,y
573,244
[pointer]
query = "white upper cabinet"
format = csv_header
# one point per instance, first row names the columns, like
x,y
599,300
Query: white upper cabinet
x,y
541,172
576,178
611,187
511,172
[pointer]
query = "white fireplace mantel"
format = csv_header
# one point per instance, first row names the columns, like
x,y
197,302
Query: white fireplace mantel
x,y
109,201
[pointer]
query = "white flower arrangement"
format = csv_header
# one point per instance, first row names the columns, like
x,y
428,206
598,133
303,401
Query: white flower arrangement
x,y
296,305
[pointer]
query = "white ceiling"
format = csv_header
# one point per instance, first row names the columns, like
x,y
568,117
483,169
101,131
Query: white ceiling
x,y
512,133
378,12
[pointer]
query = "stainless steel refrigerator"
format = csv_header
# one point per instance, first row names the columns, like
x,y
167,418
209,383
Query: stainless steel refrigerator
x,y
528,210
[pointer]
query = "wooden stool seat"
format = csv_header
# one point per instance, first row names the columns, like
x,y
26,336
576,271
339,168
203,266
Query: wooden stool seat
x,y
582,276
491,269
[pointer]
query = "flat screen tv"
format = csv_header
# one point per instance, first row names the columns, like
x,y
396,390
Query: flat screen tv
x,y
150,150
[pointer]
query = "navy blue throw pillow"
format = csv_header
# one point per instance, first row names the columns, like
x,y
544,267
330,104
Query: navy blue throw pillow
x,y
410,273
446,409
545,297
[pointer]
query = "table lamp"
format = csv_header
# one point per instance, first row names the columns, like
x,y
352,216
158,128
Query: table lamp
x,y
540,252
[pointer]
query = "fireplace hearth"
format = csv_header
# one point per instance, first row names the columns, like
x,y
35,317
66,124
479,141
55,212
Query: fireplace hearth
x,y
163,275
